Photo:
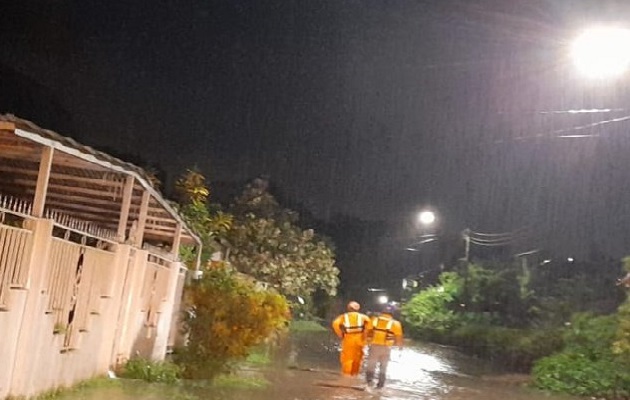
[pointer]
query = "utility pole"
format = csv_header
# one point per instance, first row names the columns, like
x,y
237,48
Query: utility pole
x,y
466,236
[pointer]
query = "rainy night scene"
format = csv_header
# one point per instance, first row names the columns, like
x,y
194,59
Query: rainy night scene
x,y
315,199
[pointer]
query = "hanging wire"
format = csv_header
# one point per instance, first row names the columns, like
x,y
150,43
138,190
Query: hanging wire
x,y
564,112
495,239
491,244
564,133
584,111
491,235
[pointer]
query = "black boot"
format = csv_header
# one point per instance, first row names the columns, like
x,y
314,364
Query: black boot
x,y
381,380
369,377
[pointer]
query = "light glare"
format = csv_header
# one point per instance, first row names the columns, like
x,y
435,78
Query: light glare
x,y
602,52
427,217
382,299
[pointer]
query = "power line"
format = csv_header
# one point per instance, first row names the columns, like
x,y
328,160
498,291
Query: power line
x,y
560,133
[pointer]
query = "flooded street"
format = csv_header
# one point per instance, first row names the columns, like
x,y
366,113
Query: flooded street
x,y
304,368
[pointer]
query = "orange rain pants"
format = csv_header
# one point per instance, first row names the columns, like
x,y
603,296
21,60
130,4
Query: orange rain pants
x,y
352,328
351,354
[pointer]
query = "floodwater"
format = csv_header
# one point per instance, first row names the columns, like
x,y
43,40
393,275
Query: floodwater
x,y
306,369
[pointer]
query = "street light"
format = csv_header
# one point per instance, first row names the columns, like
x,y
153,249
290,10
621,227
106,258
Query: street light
x,y
426,217
602,52
425,220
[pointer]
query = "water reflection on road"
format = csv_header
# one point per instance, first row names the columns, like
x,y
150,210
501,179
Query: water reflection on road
x,y
307,370
419,371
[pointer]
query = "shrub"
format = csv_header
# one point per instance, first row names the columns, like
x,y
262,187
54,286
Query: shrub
x,y
621,345
151,371
575,373
587,366
228,316
515,349
591,335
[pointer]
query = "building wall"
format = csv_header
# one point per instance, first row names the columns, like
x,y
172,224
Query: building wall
x,y
177,337
70,310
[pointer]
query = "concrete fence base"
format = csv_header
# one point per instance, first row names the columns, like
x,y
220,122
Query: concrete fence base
x,y
71,309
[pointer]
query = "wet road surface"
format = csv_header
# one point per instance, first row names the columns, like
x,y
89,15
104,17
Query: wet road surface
x,y
307,370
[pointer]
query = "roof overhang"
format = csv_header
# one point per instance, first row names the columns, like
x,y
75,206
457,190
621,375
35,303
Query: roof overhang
x,y
84,183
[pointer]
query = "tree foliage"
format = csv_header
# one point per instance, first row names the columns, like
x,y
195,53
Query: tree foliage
x,y
229,313
517,315
209,224
499,292
485,309
260,238
266,242
475,293
227,317
429,313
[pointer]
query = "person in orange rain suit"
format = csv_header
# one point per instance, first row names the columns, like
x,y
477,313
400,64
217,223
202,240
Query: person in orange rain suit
x,y
386,332
352,328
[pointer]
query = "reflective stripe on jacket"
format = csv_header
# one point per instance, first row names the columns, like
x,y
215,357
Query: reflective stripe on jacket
x,y
353,322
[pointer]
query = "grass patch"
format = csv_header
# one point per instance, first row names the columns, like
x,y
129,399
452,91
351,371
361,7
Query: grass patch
x,y
239,382
94,383
228,381
97,383
258,357
306,326
151,371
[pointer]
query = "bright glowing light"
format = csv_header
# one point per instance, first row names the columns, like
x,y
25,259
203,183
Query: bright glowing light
x,y
414,369
570,259
602,52
426,217
382,299
301,300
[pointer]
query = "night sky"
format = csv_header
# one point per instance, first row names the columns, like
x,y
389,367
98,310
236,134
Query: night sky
x,y
366,109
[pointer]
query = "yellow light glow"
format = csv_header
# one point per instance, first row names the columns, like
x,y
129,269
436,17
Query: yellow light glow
x,y
602,52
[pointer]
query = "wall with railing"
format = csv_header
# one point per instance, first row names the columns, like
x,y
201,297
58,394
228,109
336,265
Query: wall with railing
x,y
79,278
73,302
15,245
